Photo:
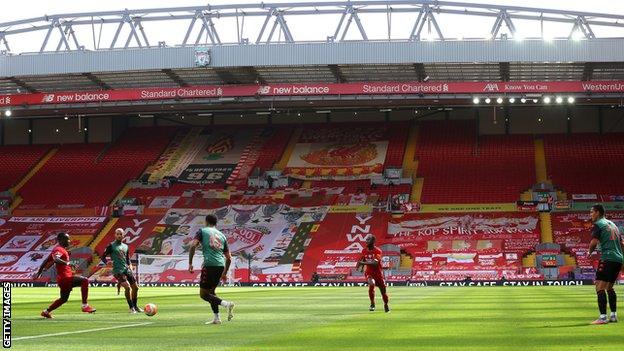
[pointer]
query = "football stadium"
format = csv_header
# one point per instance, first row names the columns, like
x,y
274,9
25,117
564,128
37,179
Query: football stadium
x,y
338,175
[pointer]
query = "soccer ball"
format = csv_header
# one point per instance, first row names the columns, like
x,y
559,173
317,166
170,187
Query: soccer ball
x,y
150,309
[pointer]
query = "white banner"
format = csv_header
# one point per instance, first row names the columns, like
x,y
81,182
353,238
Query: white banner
x,y
584,197
20,243
29,262
163,201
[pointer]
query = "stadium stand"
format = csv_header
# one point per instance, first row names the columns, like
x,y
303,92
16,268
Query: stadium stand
x,y
273,148
70,176
575,160
16,161
458,167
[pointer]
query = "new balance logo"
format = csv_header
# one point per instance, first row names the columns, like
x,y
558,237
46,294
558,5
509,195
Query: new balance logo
x,y
48,98
263,90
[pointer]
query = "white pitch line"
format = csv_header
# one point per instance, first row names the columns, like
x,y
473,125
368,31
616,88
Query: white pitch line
x,y
81,331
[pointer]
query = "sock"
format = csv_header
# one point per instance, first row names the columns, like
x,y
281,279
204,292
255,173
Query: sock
x,y
224,303
602,303
84,291
134,303
612,300
613,314
384,296
371,294
85,304
129,303
217,316
56,304
212,299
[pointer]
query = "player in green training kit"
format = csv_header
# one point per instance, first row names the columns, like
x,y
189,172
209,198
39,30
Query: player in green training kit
x,y
606,235
217,260
122,269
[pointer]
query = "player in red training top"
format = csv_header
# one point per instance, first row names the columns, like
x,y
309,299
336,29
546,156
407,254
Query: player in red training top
x,y
64,276
371,259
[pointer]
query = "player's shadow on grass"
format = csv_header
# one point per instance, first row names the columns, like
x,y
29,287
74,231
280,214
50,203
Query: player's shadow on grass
x,y
569,325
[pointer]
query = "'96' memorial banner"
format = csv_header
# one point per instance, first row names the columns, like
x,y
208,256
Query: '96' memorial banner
x,y
320,89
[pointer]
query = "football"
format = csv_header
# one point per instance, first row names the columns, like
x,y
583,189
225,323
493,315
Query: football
x,y
150,309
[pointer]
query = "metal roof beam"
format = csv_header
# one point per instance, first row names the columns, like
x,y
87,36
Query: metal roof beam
x,y
279,17
190,28
582,22
63,40
248,7
47,36
425,16
352,14
581,25
133,32
503,17
209,28
536,17
117,32
137,23
278,21
4,41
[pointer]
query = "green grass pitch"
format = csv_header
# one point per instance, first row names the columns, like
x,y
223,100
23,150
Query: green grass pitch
x,y
422,318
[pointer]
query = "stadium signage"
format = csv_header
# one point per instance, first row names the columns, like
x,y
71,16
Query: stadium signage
x,y
515,283
313,89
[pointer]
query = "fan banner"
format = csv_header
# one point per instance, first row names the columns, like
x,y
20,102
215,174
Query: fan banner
x,y
272,238
18,232
165,269
339,153
28,263
203,155
573,232
136,230
490,244
486,225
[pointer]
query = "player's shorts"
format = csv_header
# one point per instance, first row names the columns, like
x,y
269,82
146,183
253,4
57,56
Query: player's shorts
x,y
210,276
379,279
608,271
126,276
65,284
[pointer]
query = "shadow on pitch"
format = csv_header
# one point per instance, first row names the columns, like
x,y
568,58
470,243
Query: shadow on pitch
x,y
570,325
